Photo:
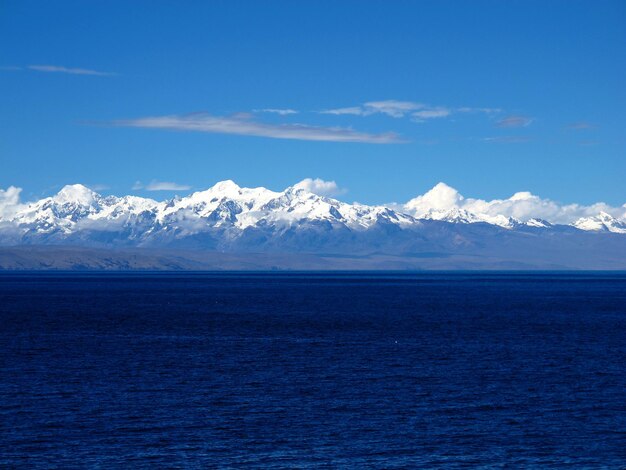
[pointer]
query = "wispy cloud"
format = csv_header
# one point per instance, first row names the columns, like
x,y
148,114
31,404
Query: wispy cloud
x,y
432,113
99,187
281,112
69,70
479,110
240,126
155,185
355,110
515,121
393,108
418,112
580,126
320,187
507,139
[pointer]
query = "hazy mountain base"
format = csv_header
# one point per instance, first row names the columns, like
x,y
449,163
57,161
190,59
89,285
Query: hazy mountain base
x,y
53,257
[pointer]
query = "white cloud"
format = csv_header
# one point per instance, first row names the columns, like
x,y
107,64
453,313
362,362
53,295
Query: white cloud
x,y
479,110
9,201
424,114
281,112
155,185
356,110
239,126
419,112
70,70
515,121
320,187
393,108
507,139
99,187
440,197
521,205
580,126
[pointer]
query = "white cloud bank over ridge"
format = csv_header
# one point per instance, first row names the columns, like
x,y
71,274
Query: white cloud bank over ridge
x,y
9,201
320,187
242,125
521,205
440,199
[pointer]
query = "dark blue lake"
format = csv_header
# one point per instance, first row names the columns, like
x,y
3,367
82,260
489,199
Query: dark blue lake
x,y
447,370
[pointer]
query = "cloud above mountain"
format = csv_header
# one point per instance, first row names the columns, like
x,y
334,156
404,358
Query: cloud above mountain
x,y
155,185
320,187
9,201
521,205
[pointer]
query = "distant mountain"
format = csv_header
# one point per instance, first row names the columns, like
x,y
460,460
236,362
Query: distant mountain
x,y
603,222
302,225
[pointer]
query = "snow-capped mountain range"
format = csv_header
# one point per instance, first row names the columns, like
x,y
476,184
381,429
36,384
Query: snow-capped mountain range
x,y
229,218
226,205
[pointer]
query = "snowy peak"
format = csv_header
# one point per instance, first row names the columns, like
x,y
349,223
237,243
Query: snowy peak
x,y
220,204
228,190
61,211
538,223
602,222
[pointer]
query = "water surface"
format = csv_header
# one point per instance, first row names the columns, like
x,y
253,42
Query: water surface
x,y
447,370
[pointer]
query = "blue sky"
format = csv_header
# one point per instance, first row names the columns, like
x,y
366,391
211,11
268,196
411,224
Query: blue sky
x,y
490,97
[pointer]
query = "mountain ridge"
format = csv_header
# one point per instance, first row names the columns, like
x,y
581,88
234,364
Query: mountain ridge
x,y
227,218
228,202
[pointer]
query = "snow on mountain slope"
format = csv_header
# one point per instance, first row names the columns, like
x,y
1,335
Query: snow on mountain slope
x,y
220,203
77,207
61,211
296,204
226,213
228,205
538,223
463,216
603,222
